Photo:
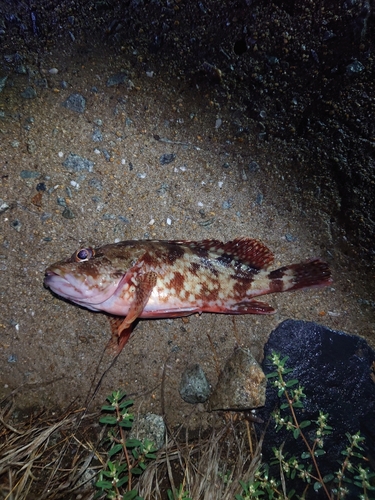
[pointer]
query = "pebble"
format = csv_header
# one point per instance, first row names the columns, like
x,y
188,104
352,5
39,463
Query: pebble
x,y
117,79
75,102
354,68
41,186
254,166
3,82
3,206
29,174
68,214
106,154
149,426
31,146
28,93
289,237
16,224
194,386
96,183
97,136
61,201
167,158
227,204
75,163
241,384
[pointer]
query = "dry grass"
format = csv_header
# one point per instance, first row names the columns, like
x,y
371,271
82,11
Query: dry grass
x,y
57,457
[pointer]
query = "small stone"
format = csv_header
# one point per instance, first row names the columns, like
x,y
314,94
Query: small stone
x,y
253,166
117,79
3,206
167,158
28,93
29,174
151,427
68,214
41,186
16,224
3,82
97,136
354,68
31,146
75,102
241,384
227,204
76,163
194,386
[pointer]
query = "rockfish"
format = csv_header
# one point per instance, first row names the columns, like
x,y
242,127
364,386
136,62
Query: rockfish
x,y
167,279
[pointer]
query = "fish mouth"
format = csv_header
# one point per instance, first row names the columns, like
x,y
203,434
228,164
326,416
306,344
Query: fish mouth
x,y
77,289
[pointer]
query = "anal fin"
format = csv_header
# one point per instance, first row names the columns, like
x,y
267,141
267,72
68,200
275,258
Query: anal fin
x,y
249,307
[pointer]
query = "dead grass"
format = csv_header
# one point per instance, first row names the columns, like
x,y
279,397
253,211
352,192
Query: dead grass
x,y
50,457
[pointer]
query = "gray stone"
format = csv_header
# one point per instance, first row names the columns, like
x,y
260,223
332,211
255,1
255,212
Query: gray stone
x,y
76,163
117,79
194,386
241,384
75,102
151,427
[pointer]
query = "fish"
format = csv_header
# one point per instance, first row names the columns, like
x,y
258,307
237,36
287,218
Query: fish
x,y
174,278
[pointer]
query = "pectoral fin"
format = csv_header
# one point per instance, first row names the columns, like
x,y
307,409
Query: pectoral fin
x,y
122,328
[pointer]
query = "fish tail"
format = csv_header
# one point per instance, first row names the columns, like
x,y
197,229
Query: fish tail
x,y
309,274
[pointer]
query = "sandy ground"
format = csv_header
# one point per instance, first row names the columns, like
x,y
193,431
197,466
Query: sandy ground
x,y
51,351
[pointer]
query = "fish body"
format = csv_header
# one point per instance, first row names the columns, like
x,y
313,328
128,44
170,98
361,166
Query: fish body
x,y
159,279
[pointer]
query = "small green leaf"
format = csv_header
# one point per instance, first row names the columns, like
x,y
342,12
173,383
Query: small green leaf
x,y
126,404
319,452
296,433
136,471
317,486
297,404
291,383
108,419
305,455
327,478
115,449
105,485
151,456
304,424
108,408
130,495
126,423
272,375
122,481
132,443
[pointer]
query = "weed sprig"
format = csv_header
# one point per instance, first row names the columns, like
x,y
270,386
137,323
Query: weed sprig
x,y
306,467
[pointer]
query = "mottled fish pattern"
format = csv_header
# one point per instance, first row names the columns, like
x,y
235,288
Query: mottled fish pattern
x,y
164,279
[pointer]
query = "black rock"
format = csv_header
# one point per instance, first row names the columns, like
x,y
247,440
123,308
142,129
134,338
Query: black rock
x,y
334,369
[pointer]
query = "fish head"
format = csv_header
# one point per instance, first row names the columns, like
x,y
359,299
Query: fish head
x,y
89,277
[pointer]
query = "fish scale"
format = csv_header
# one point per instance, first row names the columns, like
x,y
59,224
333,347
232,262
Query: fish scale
x,y
159,279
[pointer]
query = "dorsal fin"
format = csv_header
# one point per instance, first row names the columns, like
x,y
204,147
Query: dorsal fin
x,y
247,250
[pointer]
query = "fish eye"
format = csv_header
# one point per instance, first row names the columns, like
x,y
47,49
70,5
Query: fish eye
x,y
84,254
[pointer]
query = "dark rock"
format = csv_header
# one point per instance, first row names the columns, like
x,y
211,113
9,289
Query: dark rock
x,y
97,136
334,369
75,102
241,384
28,93
117,79
194,386
68,214
167,158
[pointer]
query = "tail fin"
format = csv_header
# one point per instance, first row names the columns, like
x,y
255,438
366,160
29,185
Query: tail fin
x,y
313,273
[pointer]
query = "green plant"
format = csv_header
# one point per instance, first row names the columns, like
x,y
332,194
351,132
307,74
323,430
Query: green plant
x,y
306,467
178,494
126,457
